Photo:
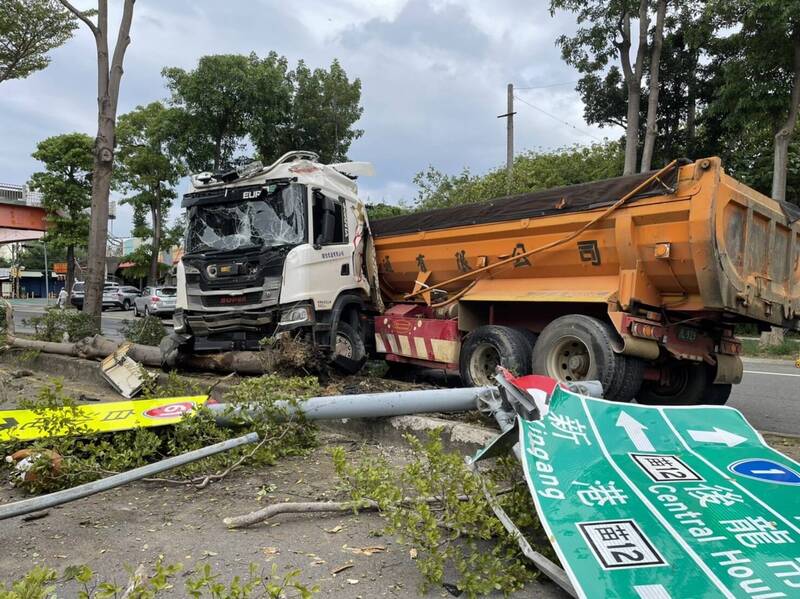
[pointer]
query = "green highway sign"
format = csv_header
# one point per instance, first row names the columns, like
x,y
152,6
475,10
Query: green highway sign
x,y
662,502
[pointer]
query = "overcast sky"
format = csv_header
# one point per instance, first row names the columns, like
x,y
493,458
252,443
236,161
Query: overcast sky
x,y
433,73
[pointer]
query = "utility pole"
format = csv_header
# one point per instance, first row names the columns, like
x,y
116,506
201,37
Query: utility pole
x,y
509,116
46,276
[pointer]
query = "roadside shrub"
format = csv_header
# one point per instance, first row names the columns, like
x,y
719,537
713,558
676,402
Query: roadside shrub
x,y
145,331
84,456
789,348
175,385
200,582
437,507
63,325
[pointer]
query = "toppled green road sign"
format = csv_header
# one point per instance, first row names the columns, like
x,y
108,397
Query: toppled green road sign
x,y
660,503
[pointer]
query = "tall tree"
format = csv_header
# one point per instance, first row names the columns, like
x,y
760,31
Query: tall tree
x,y
66,192
761,74
148,167
684,86
270,107
605,33
325,107
651,130
109,77
532,171
29,29
216,103
229,98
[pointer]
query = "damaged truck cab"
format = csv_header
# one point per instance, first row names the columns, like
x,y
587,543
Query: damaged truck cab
x,y
273,249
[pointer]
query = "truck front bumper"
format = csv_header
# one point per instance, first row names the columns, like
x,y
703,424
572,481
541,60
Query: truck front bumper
x,y
225,331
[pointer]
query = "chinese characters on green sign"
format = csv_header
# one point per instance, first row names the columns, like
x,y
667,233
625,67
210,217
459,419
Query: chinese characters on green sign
x,y
663,503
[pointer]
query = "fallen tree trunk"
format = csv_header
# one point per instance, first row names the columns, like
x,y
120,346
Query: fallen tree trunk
x,y
99,347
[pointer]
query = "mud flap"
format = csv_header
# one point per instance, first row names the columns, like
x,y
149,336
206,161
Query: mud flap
x,y
729,369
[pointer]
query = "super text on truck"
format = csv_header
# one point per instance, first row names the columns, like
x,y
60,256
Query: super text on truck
x,y
636,281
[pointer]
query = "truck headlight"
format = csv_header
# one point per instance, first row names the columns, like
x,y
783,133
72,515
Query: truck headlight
x,y
296,315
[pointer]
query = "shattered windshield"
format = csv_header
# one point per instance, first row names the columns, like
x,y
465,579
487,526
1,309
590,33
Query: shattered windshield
x,y
277,218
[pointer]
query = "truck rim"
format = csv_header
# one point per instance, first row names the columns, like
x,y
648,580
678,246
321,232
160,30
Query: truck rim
x,y
569,360
344,347
483,363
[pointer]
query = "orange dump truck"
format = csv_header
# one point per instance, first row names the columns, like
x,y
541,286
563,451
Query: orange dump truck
x,y
635,281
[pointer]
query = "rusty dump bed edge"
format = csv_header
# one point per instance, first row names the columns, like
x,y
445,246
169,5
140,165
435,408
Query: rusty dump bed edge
x,y
556,200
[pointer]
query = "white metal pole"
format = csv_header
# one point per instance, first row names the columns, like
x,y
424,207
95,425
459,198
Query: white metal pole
x,y
46,276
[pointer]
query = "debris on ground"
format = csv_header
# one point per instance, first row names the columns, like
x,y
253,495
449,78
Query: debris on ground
x,y
124,374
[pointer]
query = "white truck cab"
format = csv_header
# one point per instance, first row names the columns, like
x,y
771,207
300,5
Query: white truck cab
x,y
273,249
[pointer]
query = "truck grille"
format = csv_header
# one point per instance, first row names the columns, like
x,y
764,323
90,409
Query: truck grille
x,y
219,301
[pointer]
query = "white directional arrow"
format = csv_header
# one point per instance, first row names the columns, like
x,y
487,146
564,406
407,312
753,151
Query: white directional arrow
x,y
718,435
635,430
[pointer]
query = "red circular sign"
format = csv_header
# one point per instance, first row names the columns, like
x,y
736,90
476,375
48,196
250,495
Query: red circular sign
x,y
171,410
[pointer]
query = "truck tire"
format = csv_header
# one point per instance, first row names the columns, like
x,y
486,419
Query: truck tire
x,y
349,354
577,347
488,347
688,385
718,395
530,337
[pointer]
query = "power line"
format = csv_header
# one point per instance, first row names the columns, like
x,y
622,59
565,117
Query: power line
x,y
554,117
548,85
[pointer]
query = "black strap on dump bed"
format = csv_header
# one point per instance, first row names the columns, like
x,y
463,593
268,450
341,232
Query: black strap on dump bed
x,y
558,200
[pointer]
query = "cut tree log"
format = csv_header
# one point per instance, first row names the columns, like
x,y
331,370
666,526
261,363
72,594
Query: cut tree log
x,y
98,347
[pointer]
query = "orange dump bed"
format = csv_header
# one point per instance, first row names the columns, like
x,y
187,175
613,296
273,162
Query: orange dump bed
x,y
694,240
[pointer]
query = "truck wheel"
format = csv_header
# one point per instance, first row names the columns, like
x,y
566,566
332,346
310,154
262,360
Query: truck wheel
x,y
718,395
349,353
530,337
579,348
488,347
686,385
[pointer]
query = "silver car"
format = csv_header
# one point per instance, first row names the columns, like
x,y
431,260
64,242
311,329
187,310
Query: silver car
x,y
156,301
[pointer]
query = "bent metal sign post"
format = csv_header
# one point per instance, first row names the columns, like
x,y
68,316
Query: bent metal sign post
x,y
659,503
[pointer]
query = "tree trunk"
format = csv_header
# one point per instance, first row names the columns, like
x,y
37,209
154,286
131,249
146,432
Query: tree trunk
x,y
109,76
771,338
632,130
633,81
691,110
217,153
784,136
155,215
98,233
70,271
651,130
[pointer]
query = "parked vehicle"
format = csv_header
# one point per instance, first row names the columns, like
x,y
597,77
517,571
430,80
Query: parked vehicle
x,y
110,295
77,295
124,296
635,281
155,301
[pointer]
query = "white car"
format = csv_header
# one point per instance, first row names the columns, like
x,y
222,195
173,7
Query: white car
x,y
155,301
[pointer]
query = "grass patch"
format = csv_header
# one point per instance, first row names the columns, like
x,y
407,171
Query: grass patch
x,y
789,349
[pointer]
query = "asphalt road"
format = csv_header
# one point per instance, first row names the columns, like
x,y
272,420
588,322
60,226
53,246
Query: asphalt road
x,y
769,395
112,322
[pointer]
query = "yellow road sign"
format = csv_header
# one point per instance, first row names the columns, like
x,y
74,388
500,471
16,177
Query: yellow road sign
x,y
24,425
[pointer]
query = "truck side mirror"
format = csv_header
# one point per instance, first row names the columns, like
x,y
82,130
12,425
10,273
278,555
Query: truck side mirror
x,y
324,219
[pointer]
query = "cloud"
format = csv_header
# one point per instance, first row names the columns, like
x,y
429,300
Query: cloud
x,y
433,72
